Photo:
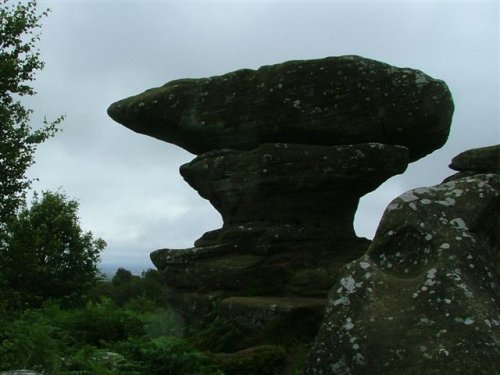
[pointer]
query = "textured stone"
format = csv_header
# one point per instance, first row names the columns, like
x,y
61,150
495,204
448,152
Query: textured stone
x,y
258,360
424,299
254,313
257,320
479,160
285,153
331,101
287,183
288,213
289,267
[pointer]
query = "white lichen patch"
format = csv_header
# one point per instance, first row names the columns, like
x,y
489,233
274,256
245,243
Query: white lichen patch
x,y
443,351
424,321
421,79
455,275
343,300
364,265
359,359
360,154
348,324
408,197
457,192
393,206
466,321
458,223
348,283
467,292
431,276
447,202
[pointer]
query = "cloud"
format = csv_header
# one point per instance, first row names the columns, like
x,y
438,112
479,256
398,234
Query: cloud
x,y
128,185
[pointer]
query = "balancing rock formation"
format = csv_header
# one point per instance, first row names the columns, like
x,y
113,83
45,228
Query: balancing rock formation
x,y
425,297
284,154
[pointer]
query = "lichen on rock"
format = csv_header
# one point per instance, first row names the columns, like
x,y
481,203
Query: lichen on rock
x,y
424,298
284,153
330,101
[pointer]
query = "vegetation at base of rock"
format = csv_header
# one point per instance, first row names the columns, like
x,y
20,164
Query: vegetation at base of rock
x,y
64,341
119,331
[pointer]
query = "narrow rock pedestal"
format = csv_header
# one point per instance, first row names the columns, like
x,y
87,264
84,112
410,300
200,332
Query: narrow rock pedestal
x,y
287,209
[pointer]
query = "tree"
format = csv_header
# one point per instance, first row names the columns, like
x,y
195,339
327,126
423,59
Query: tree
x,y
47,255
126,286
19,61
122,276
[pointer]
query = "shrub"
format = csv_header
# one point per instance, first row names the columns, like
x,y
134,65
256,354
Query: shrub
x,y
101,323
93,361
30,342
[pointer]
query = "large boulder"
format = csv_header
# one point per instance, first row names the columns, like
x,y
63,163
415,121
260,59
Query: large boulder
x,y
476,160
331,101
285,153
425,297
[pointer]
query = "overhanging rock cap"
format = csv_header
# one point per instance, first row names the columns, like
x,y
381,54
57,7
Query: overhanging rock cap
x,y
330,101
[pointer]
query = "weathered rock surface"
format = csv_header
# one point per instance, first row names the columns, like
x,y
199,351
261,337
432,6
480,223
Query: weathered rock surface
x,y
331,101
289,183
286,152
288,214
480,160
425,297
254,315
259,360
304,267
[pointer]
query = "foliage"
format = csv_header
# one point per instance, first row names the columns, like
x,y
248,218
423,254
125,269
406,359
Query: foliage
x,y
161,322
168,355
125,286
30,342
101,323
19,61
47,255
92,361
141,293
98,339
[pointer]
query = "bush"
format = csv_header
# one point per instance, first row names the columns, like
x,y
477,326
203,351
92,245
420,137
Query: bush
x,y
173,356
92,361
31,342
101,323
46,255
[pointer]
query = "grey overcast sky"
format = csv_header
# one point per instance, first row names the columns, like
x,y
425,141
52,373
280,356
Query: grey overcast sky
x,y
128,185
